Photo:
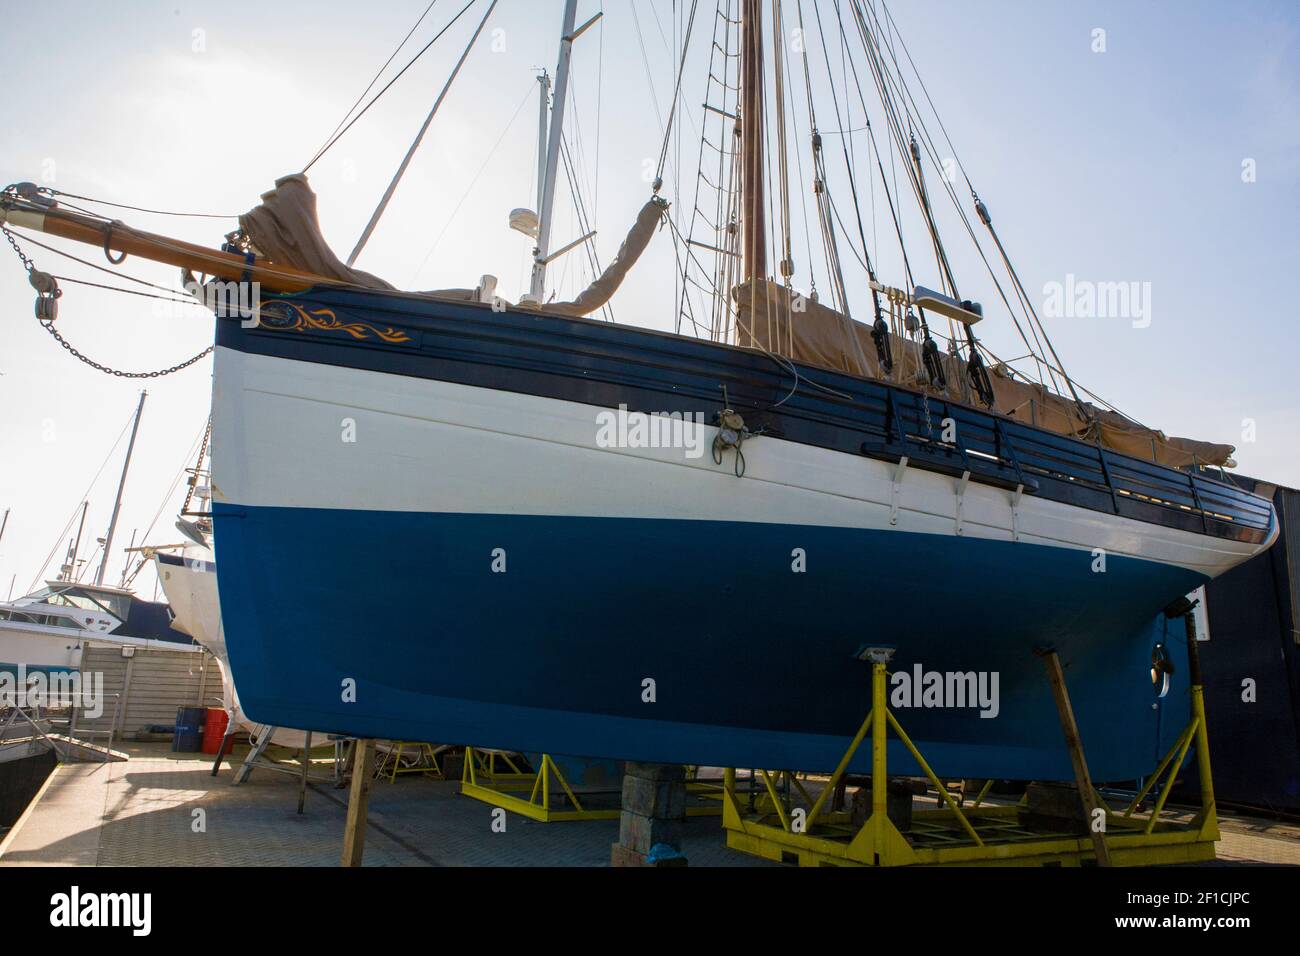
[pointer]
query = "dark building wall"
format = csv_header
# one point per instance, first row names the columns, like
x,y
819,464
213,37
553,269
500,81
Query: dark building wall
x,y
1255,746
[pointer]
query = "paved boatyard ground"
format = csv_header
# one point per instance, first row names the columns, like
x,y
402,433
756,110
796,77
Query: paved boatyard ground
x,y
140,812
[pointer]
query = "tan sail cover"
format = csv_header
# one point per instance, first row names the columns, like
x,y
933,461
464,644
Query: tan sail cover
x,y
820,336
602,290
285,229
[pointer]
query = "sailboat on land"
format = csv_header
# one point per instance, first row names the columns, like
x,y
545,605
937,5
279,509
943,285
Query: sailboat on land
x,y
859,486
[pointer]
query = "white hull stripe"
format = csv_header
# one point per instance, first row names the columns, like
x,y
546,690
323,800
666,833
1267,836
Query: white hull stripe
x,y
291,434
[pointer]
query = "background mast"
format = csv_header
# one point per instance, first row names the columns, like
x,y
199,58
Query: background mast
x,y
121,487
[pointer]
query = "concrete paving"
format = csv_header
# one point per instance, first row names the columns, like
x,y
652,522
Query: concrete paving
x,y
143,813
163,809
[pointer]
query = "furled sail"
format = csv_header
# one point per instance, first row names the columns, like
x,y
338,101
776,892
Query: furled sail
x,y
603,289
817,335
286,230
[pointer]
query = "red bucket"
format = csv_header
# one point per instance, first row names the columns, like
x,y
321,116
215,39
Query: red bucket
x,y
214,728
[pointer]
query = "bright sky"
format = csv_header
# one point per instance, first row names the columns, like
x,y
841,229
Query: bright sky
x,y
1122,165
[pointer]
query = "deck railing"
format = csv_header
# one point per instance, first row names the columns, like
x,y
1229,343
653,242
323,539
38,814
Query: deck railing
x,y
1011,454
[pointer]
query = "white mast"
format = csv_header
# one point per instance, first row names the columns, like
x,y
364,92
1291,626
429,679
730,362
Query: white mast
x,y
547,204
545,96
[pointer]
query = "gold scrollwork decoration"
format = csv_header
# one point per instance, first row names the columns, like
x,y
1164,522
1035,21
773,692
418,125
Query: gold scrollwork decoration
x,y
289,317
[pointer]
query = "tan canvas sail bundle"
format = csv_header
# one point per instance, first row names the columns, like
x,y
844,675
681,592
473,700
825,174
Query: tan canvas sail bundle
x,y
813,334
285,229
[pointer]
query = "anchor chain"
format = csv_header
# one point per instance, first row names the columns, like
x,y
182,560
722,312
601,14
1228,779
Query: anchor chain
x,y
72,350
48,294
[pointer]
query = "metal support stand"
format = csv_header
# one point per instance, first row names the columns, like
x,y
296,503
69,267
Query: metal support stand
x,y
1171,764
263,734
256,758
302,780
221,751
494,777
405,756
787,825
482,780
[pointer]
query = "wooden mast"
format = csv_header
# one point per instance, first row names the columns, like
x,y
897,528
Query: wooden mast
x,y
753,202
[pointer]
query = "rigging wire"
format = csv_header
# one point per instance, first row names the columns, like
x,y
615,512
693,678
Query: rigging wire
x,y
85,496
584,224
99,268
474,182
1037,329
720,190
371,85
177,478
155,212
677,90
419,138
343,132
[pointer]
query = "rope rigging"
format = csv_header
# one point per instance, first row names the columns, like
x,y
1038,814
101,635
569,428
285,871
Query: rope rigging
x,y
864,100
375,79
48,294
916,122
387,86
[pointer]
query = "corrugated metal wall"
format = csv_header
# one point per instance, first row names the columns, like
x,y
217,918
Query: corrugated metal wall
x,y
153,683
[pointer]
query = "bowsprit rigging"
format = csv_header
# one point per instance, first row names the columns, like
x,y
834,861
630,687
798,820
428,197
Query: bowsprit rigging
x,y
48,292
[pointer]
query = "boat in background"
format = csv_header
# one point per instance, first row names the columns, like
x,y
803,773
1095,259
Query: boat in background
x,y
187,574
47,630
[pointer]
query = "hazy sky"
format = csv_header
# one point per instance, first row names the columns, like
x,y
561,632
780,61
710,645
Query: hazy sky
x,y
1122,165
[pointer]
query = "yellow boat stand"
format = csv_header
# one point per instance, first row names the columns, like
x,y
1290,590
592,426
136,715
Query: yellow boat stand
x,y
495,778
787,825
405,756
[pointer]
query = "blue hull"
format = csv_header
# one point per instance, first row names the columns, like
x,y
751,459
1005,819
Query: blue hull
x,y
753,665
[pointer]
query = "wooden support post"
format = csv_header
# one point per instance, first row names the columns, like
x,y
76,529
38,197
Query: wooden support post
x,y
1073,743
354,831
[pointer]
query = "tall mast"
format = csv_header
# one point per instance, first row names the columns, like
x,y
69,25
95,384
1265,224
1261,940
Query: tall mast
x,y
753,201
538,288
121,487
